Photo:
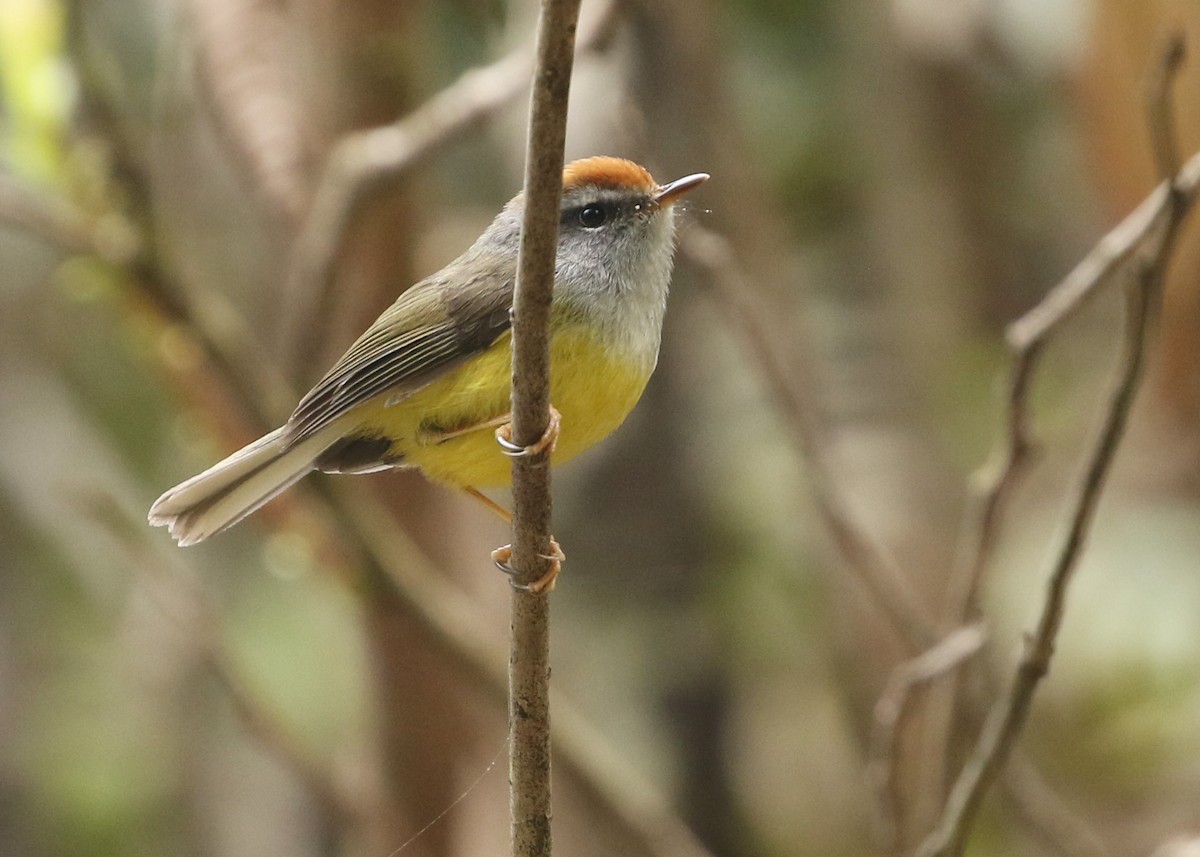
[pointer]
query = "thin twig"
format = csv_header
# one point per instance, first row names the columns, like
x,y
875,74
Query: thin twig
x,y
991,488
1026,336
891,714
1152,238
890,591
1045,814
66,226
1160,108
881,578
1009,715
529,653
366,163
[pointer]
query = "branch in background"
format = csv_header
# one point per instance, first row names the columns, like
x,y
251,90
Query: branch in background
x,y
891,713
66,226
369,162
113,240
890,591
1009,715
991,488
529,652
243,74
1045,814
1149,237
1026,336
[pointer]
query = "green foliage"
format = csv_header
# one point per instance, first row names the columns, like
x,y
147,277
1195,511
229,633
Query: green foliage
x,y
36,84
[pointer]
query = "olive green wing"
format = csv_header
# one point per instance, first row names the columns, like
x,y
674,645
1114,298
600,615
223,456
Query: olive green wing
x,y
430,329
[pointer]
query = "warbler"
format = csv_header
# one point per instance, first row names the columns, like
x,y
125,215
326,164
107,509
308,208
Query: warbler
x,y
427,385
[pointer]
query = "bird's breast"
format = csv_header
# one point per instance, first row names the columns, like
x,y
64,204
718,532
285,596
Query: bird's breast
x,y
595,383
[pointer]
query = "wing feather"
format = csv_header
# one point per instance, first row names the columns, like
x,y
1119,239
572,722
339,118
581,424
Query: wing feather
x,y
430,329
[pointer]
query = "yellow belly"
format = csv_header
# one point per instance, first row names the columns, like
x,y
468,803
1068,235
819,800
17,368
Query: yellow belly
x,y
592,388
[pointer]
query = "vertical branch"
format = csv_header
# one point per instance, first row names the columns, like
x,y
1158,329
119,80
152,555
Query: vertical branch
x,y
529,658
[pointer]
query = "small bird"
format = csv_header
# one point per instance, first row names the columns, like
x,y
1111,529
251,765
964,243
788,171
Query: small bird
x,y
427,385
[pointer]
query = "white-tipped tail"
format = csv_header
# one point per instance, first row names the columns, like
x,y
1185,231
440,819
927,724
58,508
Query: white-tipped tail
x,y
232,489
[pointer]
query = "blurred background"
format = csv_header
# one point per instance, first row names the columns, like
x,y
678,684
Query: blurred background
x,y
893,182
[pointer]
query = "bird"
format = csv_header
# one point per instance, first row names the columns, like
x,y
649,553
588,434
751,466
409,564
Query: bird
x,y
427,385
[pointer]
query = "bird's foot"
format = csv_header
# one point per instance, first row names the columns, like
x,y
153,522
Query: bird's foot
x,y
545,444
503,556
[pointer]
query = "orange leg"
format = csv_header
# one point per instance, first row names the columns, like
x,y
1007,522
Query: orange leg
x,y
502,556
490,503
503,427
438,436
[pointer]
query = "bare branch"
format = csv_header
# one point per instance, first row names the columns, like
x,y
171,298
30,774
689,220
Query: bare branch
x,y
64,225
366,163
243,67
991,488
1146,237
891,715
1045,814
1098,267
529,653
1009,715
1160,109
889,591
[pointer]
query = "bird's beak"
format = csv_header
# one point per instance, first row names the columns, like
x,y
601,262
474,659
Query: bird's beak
x,y
667,194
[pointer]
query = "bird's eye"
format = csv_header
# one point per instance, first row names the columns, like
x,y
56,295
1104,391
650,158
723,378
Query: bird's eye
x,y
593,216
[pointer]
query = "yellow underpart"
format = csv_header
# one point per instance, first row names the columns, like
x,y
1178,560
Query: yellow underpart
x,y
593,388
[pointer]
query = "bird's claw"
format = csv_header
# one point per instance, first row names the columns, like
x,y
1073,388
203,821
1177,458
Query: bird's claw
x,y
502,557
546,443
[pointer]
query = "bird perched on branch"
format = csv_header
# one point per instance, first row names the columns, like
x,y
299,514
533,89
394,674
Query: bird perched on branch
x,y
427,385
